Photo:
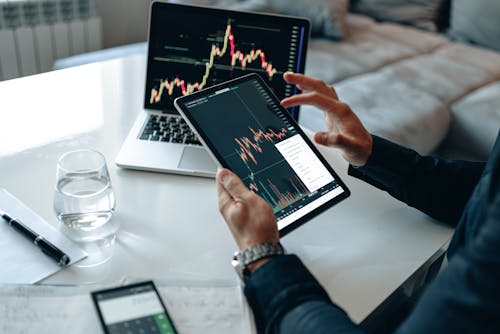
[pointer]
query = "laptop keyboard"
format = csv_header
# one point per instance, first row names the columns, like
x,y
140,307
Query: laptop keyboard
x,y
170,129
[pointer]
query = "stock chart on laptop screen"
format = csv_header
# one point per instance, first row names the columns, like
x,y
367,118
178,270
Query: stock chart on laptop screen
x,y
191,48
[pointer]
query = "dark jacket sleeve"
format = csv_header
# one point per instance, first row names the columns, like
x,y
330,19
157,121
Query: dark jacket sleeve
x,y
286,298
438,187
465,297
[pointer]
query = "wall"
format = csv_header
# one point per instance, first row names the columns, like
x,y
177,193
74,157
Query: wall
x,y
33,34
123,21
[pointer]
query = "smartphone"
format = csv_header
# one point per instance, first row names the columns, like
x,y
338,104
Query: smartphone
x,y
134,308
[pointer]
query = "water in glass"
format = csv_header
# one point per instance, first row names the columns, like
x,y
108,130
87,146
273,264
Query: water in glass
x,y
84,202
83,196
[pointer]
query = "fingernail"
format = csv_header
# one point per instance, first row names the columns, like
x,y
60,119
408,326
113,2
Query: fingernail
x,y
323,137
224,178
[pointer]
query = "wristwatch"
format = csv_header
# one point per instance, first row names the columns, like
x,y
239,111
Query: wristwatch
x,y
243,258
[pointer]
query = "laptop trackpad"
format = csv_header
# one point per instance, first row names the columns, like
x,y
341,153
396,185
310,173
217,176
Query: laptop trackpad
x,y
197,159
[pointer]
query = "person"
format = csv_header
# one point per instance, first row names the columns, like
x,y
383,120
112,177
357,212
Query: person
x,y
464,297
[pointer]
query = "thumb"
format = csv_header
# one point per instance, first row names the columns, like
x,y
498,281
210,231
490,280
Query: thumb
x,y
231,183
327,139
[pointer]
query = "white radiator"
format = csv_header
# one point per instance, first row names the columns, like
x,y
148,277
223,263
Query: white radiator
x,y
35,33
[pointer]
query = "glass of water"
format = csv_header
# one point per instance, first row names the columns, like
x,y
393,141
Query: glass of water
x,y
83,196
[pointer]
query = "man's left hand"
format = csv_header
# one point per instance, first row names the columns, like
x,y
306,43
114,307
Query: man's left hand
x,y
249,217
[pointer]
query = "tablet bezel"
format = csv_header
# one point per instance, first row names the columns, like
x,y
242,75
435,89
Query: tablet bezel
x,y
180,104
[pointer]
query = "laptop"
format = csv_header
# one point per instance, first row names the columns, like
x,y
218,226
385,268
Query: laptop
x,y
191,48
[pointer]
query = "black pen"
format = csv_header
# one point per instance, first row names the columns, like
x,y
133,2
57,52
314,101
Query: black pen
x,y
47,247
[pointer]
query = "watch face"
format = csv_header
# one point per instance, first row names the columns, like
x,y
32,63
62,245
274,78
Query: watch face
x,y
242,259
238,267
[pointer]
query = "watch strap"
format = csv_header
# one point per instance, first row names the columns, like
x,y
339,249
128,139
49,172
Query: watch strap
x,y
257,252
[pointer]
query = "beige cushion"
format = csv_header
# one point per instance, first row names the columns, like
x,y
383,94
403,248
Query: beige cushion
x,y
476,121
369,47
476,21
419,13
390,108
326,16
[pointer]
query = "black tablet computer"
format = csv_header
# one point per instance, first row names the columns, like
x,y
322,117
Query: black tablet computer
x,y
244,127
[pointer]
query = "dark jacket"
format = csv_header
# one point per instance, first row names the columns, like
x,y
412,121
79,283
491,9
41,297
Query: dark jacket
x,y
464,298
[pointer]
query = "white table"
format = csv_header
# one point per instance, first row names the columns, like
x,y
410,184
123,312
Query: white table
x,y
361,250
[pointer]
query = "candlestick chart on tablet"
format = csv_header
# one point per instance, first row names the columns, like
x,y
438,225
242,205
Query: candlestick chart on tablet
x,y
255,138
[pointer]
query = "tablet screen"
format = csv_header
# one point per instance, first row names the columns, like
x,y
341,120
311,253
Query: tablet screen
x,y
246,129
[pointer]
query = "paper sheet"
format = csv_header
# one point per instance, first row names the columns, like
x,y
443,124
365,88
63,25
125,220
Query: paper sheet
x,y
209,307
45,309
21,261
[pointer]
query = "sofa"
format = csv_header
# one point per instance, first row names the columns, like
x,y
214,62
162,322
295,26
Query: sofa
x,y
414,87
426,89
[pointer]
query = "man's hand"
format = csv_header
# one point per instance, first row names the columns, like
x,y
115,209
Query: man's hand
x,y
250,219
345,130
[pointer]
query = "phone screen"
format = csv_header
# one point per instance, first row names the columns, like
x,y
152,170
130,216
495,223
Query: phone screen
x,y
135,308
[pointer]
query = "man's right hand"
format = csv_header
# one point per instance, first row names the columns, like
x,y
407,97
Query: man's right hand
x,y
345,130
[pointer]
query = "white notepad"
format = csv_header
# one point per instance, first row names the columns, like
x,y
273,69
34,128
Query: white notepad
x,y
21,261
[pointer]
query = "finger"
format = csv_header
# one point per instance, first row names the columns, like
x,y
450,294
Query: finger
x,y
328,139
224,198
336,140
311,98
304,82
331,106
232,184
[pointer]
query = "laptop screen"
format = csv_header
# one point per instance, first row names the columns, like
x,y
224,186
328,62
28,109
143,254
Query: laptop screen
x,y
191,48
